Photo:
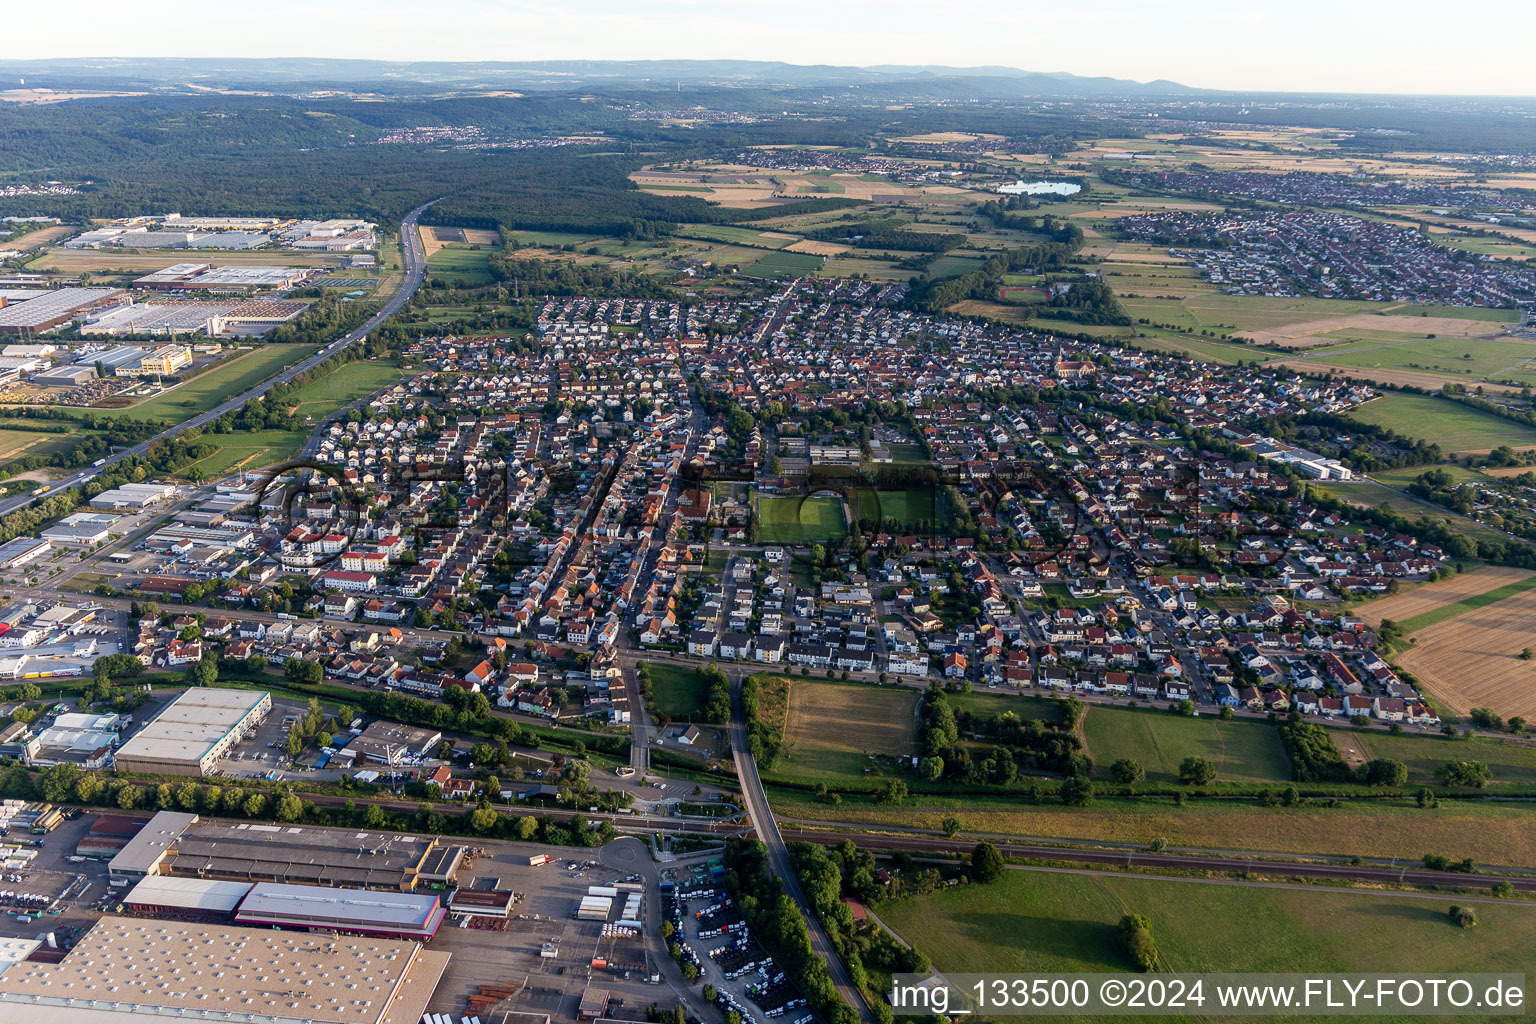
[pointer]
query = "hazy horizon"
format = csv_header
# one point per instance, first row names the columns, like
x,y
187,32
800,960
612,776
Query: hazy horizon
x,y
1312,46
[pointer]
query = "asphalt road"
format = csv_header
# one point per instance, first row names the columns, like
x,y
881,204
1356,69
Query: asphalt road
x,y
755,801
415,271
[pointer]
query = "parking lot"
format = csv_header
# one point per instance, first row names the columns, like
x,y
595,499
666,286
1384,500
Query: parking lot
x,y
715,939
77,890
544,917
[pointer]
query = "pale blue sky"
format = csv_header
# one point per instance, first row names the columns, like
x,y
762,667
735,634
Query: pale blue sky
x,y
1472,47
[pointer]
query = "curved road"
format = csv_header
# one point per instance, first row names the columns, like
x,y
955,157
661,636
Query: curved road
x,y
755,801
415,272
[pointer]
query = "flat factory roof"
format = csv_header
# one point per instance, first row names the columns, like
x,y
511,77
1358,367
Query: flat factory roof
x,y
315,906
126,969
191,725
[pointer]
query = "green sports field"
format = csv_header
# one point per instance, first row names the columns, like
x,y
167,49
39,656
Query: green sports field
x,y
815,520
1242,750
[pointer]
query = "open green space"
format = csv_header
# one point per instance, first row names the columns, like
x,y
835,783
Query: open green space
x,y
1211,350
678,690
1513,761
551,239
951,266
812,520
16,443
247,450
230,377
1374,495
341,387
1002,702
784,264
1219,311
1451,425
1031,921
1242,750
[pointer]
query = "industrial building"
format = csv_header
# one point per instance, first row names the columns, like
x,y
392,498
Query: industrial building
x,y
147,971
156,318
81,529
395,915
79,739
133,496
197,729
18,552
206,277
185,846
60,306
392,743
182,899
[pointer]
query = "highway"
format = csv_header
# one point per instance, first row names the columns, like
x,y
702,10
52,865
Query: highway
x,y
415,272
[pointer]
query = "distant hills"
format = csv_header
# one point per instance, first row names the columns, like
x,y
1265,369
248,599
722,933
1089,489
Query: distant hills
x,y
287,73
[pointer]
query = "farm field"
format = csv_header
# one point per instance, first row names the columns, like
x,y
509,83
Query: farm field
x,y
1473,659
1387,322
813,520
1458,359
1454,427
1513,761
1247,314
679,691
1031,921
739,236
835,729
228,378
1211,350
461,264
1470,603
1442,593
1490,833
1242,750
785,264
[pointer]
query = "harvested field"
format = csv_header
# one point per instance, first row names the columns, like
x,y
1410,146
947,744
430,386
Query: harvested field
x,y
42,236
1315,332
1432,596
741,187
815,248
1473,659
836,730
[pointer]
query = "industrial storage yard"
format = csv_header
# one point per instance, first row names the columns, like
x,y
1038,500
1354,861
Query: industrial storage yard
x,y
411,925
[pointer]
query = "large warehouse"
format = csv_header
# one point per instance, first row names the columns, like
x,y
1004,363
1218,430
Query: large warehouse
x,y
185,846
194,732
395,915
57,307
146,971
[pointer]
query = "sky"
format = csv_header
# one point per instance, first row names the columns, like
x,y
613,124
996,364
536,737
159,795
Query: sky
x,y
1380,46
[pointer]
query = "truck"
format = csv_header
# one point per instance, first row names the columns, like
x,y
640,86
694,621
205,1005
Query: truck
x,y
99,462
538,860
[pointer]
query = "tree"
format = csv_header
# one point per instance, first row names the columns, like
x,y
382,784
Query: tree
x,y
894,792
1077,791
1462,917
951,826
1471,774
1127,772
1134,933
254,805
1385,772
986,863
930,768
1196,771
484,818
289,807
